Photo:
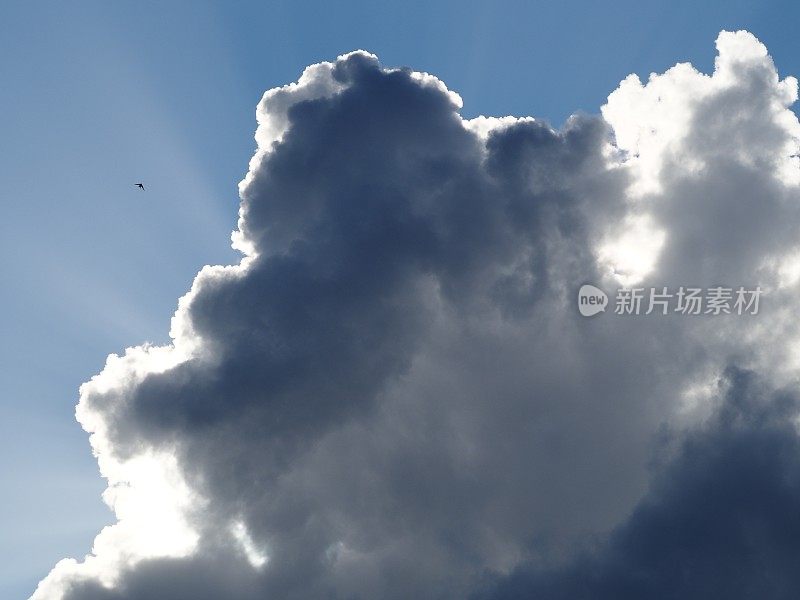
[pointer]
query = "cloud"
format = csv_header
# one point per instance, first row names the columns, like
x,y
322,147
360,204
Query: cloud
x,y
393,394
719,520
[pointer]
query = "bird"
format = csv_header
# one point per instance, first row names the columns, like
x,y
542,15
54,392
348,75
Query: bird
x,y
140,185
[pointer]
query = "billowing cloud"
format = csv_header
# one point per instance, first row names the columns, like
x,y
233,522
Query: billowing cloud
x,y
720,518
393,395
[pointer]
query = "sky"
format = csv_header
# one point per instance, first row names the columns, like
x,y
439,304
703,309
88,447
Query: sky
x,y
98,96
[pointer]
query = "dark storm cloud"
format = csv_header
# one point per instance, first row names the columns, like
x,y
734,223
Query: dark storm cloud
x,y
719,521
393,395
372,197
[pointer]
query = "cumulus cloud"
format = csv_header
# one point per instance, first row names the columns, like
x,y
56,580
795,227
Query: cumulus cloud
x,y
718,521
393,394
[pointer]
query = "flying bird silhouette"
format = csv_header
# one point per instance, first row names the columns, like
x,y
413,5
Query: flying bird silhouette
x,y
140,185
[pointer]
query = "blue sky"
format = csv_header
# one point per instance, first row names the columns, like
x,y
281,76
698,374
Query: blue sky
x,y
99,95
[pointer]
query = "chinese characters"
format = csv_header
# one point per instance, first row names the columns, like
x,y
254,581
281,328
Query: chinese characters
x,y
688,301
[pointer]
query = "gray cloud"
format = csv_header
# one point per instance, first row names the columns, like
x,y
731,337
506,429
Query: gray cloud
x,y
393,395
718,521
